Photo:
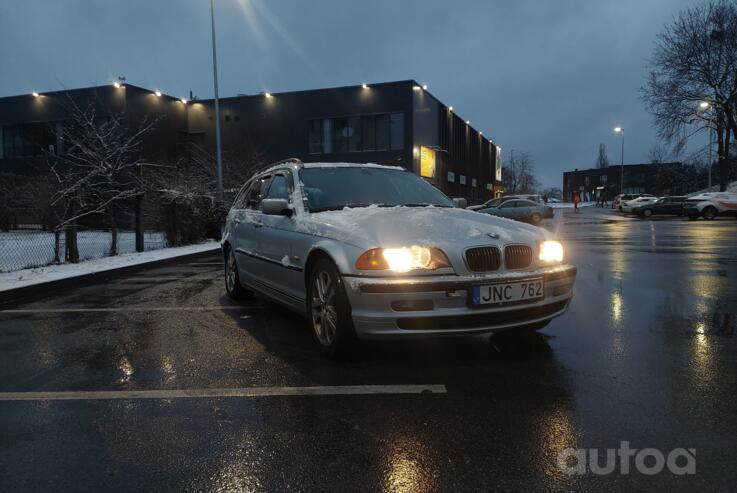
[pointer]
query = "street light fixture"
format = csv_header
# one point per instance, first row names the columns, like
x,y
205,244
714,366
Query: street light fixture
x,y
117,85
620,130
365,86
35,94
158,94
268,95
183,100
424,86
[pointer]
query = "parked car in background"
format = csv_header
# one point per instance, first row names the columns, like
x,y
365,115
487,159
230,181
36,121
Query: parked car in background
x,y
520,210
620,199
489,203
711,205
630,205
370,251
664,206
499,200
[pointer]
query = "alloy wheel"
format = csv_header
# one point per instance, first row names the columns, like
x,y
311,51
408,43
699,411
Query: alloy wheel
x,y
324,312
230,272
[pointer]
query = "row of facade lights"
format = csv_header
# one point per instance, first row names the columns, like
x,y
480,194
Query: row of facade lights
x,y
120,85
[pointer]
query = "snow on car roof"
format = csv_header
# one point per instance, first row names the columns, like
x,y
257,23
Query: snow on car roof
x,y
350,165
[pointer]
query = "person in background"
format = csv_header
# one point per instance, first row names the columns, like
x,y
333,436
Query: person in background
x,y
576,200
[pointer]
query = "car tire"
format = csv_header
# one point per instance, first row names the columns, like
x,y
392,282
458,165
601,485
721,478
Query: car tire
x,y
535,219
329,310
232,279
647,213
709,213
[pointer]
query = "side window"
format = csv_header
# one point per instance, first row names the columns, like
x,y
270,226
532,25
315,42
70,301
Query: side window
x,y
257,192
509,205
279,188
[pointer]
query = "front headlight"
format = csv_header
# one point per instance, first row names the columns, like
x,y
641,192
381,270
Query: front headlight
x,y
403,259
551,251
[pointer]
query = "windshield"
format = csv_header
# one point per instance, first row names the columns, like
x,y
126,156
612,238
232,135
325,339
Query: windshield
x,y
332,188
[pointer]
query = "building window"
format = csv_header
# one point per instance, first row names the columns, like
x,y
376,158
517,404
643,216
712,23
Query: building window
x,y
315,136
473,182
27,140
382,132
354,134
358,133
451,177
462,179
397,131
369,133
603,179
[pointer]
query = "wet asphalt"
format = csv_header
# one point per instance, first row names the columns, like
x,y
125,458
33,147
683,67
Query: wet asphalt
x,y
646,354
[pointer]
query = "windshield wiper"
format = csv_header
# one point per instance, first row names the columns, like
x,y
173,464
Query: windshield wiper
x,y
423,204
338,207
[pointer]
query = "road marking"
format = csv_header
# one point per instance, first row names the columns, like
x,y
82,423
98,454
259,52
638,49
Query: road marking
x,y
234,392
132,309
169,279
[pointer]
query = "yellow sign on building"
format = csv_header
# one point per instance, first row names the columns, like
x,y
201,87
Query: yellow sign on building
x,y
427,162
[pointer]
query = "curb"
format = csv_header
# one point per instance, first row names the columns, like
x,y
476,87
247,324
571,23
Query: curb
x,y
16,295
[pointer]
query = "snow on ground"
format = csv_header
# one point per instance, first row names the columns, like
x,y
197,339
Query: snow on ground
x,y
569,205
20,249
40,275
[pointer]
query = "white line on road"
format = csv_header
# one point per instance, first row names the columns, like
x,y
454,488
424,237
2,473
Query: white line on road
x,y
131,309
169,279
235,392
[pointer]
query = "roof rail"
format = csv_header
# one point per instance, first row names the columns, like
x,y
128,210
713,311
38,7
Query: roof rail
x,y
266,167
287,160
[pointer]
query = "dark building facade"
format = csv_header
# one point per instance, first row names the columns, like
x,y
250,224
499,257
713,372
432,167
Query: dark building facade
x,y
638,178
396,123
30,125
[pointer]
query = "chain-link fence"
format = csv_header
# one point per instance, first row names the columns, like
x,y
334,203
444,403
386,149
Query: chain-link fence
x,y
33,247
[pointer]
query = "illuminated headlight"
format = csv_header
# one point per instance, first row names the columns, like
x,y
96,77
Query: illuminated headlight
x,y
403,259
551,251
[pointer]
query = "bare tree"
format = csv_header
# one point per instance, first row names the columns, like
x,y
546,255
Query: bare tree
x,y
96,172
185,191
658,154
518,174
602,161
693,81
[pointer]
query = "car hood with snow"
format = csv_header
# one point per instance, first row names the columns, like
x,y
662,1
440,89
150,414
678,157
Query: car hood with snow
x,y
446,228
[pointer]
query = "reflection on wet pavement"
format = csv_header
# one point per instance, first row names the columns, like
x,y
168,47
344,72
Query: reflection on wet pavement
x,y
646,354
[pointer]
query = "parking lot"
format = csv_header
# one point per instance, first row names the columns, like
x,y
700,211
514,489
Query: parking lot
x,y
155,380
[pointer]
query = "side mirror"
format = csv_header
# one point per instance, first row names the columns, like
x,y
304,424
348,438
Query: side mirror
x,y
460,202
276,207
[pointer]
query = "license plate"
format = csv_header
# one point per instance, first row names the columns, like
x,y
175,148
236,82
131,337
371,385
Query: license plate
x,y
508,292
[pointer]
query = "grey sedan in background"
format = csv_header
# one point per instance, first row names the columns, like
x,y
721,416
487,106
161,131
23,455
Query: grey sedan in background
x,y
520,210
370,251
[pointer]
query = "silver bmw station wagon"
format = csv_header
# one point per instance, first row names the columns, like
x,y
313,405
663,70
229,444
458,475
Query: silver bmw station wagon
x,y
370,251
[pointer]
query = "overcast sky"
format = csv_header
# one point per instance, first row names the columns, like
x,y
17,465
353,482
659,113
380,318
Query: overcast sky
x,y
551,77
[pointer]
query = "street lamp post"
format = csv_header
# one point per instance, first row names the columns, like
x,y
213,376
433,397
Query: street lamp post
x,y
620,130
705,106
218,154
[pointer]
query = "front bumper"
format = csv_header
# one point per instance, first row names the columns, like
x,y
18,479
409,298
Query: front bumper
x,y
439,305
